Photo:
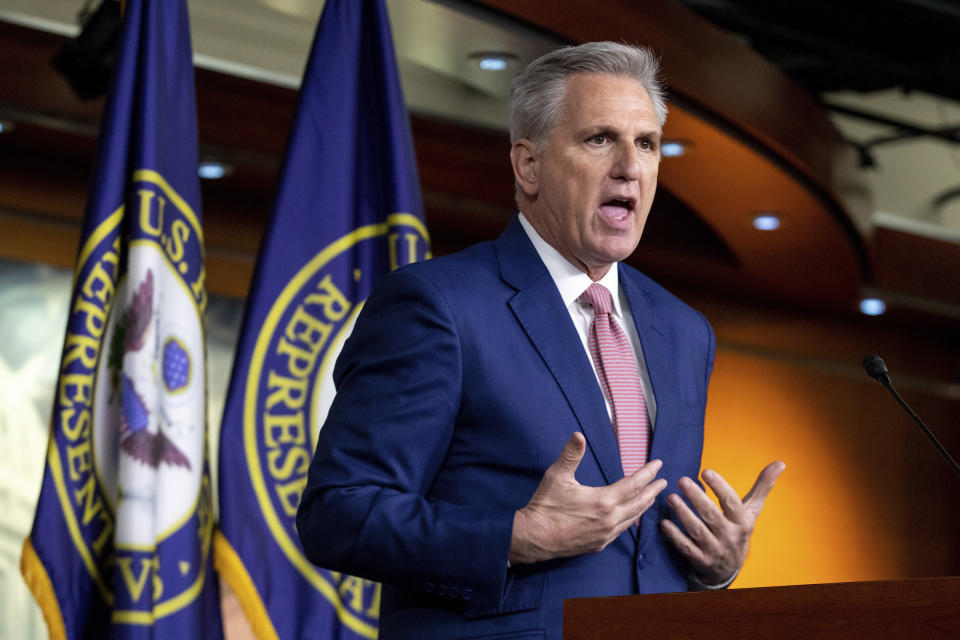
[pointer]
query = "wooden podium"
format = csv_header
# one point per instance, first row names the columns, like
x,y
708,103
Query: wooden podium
x,y
901,609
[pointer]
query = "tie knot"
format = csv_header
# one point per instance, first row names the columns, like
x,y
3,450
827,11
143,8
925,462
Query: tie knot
x,y
598,297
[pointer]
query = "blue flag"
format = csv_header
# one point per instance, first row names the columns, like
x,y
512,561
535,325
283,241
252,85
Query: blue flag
x,y
347,211
122,538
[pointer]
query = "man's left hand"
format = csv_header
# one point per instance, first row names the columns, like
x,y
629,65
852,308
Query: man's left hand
x,y
717,538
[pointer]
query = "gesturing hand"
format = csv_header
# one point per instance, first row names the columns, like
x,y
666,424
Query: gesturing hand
x,y
566,518
716,541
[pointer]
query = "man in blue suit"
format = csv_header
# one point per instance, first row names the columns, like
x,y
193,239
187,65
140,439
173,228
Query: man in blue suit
x,y
473,458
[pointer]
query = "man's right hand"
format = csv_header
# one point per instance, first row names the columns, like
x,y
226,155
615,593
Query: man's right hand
x,y
566,518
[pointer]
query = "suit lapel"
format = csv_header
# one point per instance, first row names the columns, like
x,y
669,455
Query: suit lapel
x,y
653,333
540,311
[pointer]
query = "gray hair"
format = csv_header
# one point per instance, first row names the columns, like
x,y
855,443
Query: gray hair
x,y
536,95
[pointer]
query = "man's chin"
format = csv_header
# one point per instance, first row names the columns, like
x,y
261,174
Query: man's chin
x,y
617,251
602,262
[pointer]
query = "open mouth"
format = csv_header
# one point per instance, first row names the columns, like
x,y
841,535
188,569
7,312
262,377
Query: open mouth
x,y
625,203
617,208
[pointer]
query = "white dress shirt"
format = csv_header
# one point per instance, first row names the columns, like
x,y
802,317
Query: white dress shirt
x,y
572,282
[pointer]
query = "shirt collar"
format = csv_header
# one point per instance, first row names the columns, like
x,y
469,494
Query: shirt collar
x,y
571,281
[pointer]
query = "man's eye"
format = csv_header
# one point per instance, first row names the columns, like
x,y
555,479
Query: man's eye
x,y
600,138
645,144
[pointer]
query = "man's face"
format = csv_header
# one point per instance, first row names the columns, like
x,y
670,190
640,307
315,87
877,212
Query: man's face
x,y
593,184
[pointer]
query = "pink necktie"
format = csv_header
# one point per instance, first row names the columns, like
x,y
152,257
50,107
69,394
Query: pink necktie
x,y
617,369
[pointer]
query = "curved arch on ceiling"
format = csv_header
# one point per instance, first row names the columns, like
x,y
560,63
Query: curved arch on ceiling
x,y
756,142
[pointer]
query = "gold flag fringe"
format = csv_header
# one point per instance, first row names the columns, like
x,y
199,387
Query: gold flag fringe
x,y
231,569
38,581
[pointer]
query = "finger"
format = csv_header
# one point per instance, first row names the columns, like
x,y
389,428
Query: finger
x,y
631,491
572,454
696,528
645,486
630,512
647,472
757,495
683,543
645,499
706,508
636,481
636,493
729,500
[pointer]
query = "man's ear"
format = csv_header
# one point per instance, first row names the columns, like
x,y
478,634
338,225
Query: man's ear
x,y
526,167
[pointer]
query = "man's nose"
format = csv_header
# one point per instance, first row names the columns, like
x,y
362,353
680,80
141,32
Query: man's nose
x,y
627,163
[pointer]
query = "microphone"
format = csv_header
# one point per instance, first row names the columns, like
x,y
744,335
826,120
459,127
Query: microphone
x,y
877,369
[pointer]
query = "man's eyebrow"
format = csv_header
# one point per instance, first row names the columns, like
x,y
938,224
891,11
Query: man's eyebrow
x,y
598,128
614,131
609,130
651,134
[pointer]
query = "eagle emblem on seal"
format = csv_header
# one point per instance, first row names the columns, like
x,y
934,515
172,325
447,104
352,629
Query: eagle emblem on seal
x,y
143,443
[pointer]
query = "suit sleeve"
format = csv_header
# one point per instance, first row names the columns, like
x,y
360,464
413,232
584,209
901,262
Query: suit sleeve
x,y
366,508
711,352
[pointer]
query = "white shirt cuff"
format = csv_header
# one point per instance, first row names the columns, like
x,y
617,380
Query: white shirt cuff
x,y
694,583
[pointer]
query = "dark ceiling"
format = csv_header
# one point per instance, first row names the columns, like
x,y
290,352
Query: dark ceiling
x,y
859,46
834,45
850,48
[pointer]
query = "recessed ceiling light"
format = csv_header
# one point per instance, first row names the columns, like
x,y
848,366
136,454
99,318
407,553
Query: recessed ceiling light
x,y
672,148
872,307
493,64
766,222
212,170
492,60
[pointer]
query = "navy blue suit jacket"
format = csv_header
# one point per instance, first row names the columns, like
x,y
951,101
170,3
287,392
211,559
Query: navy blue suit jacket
x,y
459,386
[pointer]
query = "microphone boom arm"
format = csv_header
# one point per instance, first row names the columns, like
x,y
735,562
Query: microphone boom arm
x,y
884,379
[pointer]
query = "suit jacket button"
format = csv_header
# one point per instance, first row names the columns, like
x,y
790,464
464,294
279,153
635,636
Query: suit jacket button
x,y
429,587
